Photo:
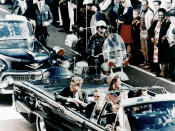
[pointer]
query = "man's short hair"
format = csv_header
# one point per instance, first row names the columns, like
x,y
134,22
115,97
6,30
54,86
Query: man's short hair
x,y
157,1
145,1
78,80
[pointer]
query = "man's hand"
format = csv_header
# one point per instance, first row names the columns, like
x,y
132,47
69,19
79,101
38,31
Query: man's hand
x,y
119,22
45,23
81,29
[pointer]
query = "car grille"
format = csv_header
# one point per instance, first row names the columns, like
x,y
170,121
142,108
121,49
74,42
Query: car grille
x,y
23,77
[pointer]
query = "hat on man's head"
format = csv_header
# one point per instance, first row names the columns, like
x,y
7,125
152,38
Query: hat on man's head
x,y
111,77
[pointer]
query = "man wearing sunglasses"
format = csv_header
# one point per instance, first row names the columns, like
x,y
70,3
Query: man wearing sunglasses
x,y
95,49
40,16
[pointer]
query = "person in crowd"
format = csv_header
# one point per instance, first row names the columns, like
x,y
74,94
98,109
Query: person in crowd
x,y
124,22
63,5
77,97
114,82
19,7
53,5
29,3
89,108
136,53
117,10
83,24
157,33
71,10
116,6
85,15
156,4
168,8
171,39
41,17
168,4
95,46
146,21
104,9
136,4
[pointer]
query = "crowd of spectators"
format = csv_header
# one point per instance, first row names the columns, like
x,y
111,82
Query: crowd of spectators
x,y
147,31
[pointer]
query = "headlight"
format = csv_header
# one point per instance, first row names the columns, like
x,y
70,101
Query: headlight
x,y
59,51
7,82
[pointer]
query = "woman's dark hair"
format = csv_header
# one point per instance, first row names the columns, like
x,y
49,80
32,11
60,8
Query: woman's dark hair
x,y
111,84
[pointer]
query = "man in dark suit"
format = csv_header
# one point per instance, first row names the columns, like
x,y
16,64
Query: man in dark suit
x,y
41,17
74,94
89,108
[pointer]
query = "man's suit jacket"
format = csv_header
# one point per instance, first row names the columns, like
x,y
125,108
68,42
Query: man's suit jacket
x,y
82,95
44,15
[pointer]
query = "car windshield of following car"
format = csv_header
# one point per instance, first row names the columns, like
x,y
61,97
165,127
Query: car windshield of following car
x,y
14,30
155,116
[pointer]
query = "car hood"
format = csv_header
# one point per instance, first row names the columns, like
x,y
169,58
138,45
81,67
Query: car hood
x,y
16,53
23,55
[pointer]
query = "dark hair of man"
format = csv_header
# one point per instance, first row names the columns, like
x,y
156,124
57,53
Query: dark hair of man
x,y
158,1
145,1
162,10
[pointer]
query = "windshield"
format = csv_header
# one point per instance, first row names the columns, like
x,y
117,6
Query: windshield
x,y
14,30
114,44
157,116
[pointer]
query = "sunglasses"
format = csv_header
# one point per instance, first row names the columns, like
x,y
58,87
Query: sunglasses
x,y
122,2
103,27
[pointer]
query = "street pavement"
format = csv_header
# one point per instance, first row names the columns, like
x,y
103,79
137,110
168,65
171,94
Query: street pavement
x,y
10,120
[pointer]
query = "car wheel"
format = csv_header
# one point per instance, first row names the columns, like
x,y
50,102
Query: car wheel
x,y
2,1
40,124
